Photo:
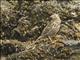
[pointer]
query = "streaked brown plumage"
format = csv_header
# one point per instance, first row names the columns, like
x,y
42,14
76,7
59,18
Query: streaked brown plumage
x,y
52,27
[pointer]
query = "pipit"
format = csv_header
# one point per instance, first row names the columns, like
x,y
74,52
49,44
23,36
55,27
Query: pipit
x,y
52,27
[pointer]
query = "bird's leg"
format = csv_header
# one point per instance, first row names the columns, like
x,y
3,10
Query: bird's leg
x,y
49,38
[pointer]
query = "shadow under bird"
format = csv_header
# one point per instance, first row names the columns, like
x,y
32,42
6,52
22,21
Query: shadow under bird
x,y
52,27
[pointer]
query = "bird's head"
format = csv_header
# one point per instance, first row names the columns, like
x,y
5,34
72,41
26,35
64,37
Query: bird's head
x,y
55,18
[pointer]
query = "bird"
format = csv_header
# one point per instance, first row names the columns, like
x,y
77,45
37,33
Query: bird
x,y
51,28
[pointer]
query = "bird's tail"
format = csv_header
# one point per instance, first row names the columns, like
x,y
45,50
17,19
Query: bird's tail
x,y
40,37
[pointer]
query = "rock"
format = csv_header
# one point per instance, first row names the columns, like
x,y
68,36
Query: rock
x,y
71,42
77,25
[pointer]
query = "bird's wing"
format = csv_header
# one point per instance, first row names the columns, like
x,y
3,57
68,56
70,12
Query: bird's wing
x,y
46,30
53,30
